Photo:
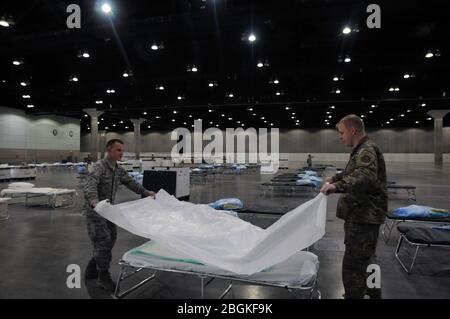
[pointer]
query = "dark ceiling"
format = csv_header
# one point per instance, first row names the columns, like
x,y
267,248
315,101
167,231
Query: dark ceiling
x,y
300,41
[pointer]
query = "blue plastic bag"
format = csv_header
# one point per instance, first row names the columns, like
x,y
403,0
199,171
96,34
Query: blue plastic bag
x,y
227,204
420,211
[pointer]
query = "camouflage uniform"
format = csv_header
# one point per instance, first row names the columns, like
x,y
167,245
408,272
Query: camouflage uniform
x,y
363,207
103,183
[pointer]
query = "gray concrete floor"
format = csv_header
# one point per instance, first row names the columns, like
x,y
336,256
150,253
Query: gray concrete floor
x,y
38,243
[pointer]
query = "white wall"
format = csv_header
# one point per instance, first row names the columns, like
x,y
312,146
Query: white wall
x,y
23,135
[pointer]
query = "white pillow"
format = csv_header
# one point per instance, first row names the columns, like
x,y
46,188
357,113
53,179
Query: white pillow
x,y
20,185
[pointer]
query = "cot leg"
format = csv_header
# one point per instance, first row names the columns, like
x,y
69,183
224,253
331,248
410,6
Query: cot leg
x,y
400,241
387,228
226,290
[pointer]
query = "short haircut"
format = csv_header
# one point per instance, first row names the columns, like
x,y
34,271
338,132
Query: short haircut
x,y
112,141
354,121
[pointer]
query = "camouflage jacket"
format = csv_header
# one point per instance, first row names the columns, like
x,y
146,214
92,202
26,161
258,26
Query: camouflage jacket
x,y
363,184
103,182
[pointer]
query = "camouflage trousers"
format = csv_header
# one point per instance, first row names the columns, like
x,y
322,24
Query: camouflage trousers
x,y
360,247
103,236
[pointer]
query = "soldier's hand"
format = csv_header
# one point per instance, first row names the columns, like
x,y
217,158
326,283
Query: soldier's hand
x,y
328,189
329,179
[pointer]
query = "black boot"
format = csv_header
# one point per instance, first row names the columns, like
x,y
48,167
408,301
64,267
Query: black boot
x,y
104,281
91,270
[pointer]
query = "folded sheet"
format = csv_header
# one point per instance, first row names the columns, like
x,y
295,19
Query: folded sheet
x,y
220,240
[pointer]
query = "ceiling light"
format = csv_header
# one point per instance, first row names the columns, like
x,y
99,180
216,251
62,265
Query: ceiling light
x,y
125,74
262,117
429,54
4,23
106,127
85,55
26,96
194,69
190,115
292,117
370,111
121,122
429,119
85,115
114,125
126,127
391,89
373,106
406,76
148,126
144,113
238,122
408,111
211,123
154,47
346,30
277,93
17,62
173,120
251,37
106,8
230,118
217,125
260,64
287,108
417,122
23,83
332,107
210,84
230,95
276,81
250,109
423,104
110,91
335,79
30,106
99,102
161,87
402,115
210,110
397,89
174,112
74,79
347,59
338,91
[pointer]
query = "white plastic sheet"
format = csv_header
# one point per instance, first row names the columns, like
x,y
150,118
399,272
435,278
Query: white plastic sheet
x,y
217,239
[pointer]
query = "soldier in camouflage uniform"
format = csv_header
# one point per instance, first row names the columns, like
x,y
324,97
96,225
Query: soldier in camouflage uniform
x,y
363,205
102,184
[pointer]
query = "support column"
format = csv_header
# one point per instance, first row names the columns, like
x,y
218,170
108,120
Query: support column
x,y
137,136
94,114
102,144
438,116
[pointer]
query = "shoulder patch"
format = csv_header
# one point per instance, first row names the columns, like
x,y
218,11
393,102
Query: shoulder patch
x,y
365,158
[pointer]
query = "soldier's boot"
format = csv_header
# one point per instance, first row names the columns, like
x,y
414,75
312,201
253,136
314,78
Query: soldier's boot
x,y
104,281
91,270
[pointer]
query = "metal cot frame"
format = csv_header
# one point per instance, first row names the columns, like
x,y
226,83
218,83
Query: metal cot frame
x,y
291,189
205,280
51,197
416,252
391,223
